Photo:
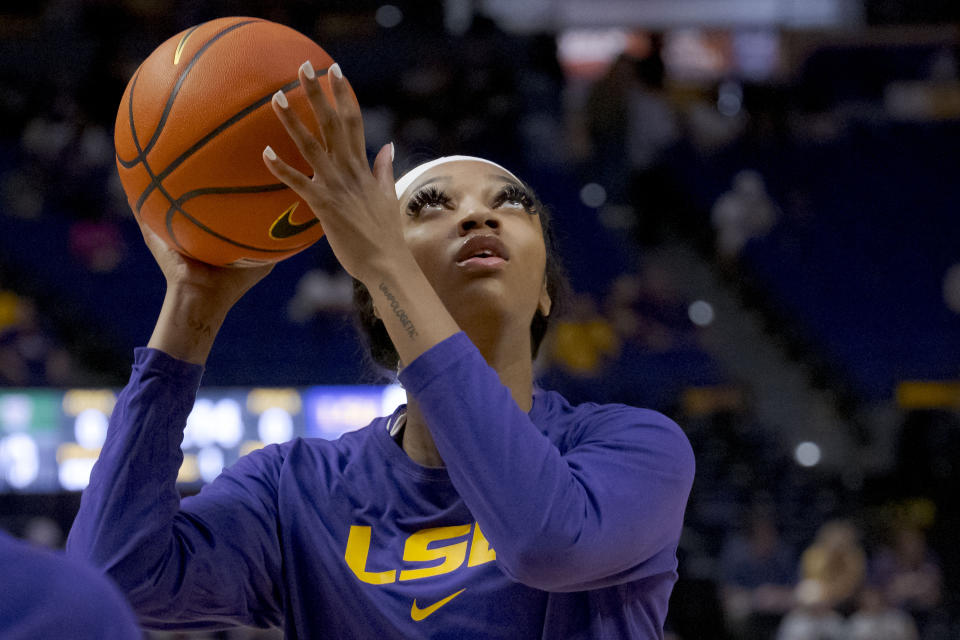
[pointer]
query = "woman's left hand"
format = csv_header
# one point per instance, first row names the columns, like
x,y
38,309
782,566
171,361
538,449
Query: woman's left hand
x,y
357,207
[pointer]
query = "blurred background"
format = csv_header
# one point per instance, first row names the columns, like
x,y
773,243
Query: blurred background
x,y
758,204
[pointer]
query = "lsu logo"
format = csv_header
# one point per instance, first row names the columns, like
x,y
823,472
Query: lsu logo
x,y
464,543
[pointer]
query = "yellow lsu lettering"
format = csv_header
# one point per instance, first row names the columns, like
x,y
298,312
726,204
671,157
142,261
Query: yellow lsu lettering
x,y
480,551
417,549
358,548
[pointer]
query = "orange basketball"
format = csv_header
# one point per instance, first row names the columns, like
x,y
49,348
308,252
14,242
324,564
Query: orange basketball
x,y
190,132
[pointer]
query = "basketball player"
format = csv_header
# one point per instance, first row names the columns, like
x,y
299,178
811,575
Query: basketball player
x,y
482,508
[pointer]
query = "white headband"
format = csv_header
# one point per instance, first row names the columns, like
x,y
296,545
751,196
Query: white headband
x,y
407,179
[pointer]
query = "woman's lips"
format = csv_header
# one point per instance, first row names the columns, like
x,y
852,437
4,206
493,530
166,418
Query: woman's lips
x,y
478,263
476,246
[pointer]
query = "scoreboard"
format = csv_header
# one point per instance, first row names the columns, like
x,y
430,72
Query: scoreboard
x,y
50,439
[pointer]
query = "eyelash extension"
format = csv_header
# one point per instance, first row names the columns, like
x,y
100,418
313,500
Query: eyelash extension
x,y
513,193
424,197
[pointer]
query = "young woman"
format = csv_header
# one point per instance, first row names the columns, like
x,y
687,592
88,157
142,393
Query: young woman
x,y
483,508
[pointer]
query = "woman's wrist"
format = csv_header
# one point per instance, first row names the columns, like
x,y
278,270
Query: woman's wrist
x,y
188,324
385,265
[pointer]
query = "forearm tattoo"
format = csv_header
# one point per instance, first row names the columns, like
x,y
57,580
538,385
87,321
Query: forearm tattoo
x,y
400,313
199,327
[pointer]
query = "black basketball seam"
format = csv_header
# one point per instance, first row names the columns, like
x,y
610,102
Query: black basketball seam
x,y
183,157
133,132
174,208
261,188
169,225
136,143
141,157
265,188
156,180
183,76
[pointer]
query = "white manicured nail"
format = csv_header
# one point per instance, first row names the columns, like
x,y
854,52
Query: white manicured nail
x,y
270,153
335,70
392,151
308,71
281,99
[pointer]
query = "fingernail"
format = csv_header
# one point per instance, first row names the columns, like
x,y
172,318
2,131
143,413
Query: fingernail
x,y
281,99
308,71
392,151
335,70
270,153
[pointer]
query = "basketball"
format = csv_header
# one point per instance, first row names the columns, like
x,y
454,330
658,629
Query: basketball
x,y
190,130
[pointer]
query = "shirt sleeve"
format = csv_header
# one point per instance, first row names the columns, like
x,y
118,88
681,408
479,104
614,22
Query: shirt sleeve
x,y
212,561
606,511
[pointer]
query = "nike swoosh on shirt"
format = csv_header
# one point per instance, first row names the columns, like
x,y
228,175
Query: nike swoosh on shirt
x,y
283,228
419,614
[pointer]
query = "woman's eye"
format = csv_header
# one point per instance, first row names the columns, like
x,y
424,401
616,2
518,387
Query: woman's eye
x,y
430,199
514,197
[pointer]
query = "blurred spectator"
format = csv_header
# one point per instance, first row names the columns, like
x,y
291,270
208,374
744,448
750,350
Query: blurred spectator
x,y
647,308
9,309
606,122
758,573
908,574
813,619
583,341
47,136
479,109
834,566
744,212
97,244
877,620
21,193
320,292
65,163
28,354
652,129
486,106
711,124
540,84
652,124
628,123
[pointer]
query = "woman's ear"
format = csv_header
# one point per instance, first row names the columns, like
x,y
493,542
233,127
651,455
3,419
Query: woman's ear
x,y
545,303
376,312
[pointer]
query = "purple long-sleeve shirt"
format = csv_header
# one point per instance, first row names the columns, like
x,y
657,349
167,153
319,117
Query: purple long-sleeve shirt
x,y
560,522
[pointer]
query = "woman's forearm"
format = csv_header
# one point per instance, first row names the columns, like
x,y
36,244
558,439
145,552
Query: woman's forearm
x,y
187,325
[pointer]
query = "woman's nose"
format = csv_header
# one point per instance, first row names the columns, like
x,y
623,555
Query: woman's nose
x,y
479,218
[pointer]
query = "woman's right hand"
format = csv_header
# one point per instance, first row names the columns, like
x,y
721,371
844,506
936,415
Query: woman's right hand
x,y
197,299
221,287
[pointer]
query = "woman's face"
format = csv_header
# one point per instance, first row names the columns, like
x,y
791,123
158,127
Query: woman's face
x,y
472,230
